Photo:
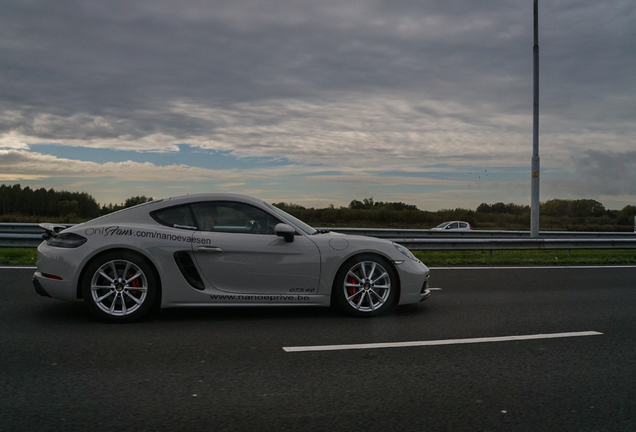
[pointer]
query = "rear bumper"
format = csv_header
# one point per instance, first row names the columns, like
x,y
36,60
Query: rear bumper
x,y
57,289
39,288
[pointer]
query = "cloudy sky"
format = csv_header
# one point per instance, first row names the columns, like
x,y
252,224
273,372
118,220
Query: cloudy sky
x,y
427,102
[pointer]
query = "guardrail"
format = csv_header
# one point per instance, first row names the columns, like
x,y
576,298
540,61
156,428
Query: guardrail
x,y
428,240
29,235
391,233
21,235
515,244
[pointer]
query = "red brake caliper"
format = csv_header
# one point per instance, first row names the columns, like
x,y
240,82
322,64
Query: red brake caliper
x,y
134,283
352,290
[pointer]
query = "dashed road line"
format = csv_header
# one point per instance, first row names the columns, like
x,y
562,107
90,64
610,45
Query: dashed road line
x,y
438,342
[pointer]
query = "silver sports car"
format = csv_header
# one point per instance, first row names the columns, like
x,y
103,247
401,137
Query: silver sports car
x,y
221,250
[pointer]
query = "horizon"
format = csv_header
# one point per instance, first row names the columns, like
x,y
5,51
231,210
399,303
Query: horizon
x,y
288,203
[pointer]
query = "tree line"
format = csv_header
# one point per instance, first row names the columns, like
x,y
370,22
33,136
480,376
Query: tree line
x,y
19,204
556,214
24,203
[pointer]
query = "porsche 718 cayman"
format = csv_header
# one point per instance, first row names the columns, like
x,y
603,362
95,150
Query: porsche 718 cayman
x,y
221,250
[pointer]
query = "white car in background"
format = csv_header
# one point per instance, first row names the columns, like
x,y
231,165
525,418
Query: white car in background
x,y
221,250
453,225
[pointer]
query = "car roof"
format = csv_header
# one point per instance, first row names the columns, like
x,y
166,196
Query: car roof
x,y
151,206
184,199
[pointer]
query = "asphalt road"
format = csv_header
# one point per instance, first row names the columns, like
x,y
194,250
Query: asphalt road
x,y
226,370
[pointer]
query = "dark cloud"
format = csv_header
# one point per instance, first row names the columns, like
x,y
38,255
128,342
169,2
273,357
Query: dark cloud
x,y
608,173
66,57
86,71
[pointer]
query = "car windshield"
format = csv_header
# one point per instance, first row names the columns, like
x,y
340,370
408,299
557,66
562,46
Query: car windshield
x,y
297,222
442,225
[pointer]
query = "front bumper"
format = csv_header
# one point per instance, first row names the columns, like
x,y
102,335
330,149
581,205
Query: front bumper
x,y
425,294
413,282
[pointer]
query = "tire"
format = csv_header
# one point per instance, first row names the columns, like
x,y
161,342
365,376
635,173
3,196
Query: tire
x,y
119,286
366,286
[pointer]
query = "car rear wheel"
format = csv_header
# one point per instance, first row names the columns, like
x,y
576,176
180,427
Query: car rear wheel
x,y
366,286
119,286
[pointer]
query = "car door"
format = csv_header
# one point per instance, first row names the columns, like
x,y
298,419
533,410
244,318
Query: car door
x,y
237,251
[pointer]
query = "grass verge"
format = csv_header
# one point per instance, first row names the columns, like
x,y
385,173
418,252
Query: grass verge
x,y
527,257
18,256
27,256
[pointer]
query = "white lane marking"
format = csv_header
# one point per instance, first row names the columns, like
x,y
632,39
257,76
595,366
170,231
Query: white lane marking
x,y
438,342
434,289
575,267
16,268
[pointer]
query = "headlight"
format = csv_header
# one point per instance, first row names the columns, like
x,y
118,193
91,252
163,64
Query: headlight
x,y
404,251
66,240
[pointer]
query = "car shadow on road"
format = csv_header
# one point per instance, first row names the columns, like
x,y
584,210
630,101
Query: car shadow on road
x,y
76,312
245,313
274,313
54,311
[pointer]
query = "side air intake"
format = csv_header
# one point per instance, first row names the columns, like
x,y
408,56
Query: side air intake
x,y
188,270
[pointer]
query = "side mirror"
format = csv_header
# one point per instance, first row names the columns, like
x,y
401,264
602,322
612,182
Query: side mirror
x,y
285,231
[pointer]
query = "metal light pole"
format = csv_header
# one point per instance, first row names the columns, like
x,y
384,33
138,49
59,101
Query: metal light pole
x,y
534,194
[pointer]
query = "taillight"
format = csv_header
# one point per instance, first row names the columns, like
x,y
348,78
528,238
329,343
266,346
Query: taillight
x,y
66,240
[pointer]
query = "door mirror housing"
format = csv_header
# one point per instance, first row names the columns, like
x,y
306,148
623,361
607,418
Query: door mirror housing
x,y
285,231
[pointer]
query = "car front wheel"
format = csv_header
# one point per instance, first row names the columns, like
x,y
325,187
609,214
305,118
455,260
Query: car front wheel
x,y
366,286
119,287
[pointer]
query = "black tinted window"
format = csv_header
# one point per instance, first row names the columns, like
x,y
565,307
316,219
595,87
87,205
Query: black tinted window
x,y
233,217
176,217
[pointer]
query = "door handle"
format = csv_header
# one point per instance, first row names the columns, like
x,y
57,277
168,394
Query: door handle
x,y
210,249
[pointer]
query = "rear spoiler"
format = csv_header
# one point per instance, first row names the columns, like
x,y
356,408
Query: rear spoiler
x,y
51,230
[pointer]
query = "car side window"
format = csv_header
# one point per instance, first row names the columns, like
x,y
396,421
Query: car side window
x,y
175,217
233,217
463,225
454,225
